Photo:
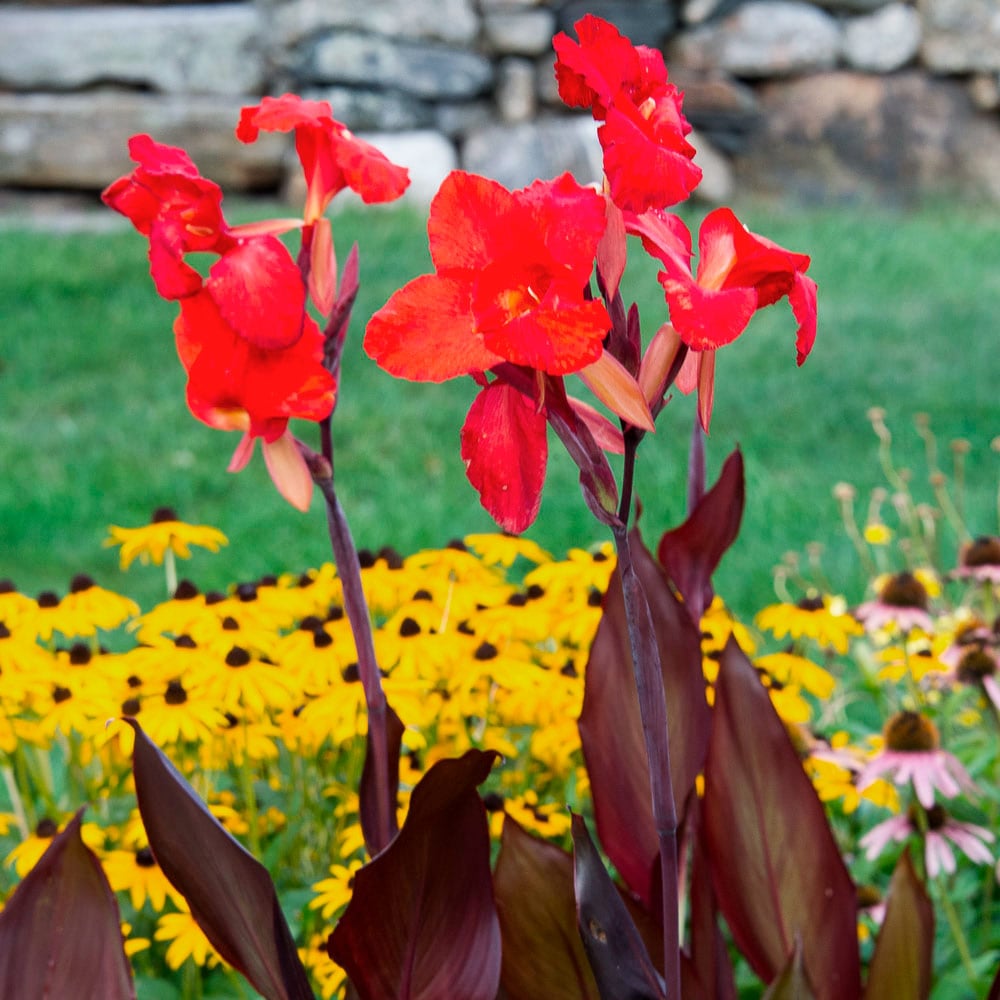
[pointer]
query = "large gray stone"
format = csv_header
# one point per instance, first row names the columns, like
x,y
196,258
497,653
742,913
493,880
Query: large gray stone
x,y
764,38
545,81
984,89
519,31
80,141
717,182
428,156
363,109
489,5
191,49
451,21
884,41
455,118
961,36
429,71
515,90
843,135
645,22
853,6
516,155
723,109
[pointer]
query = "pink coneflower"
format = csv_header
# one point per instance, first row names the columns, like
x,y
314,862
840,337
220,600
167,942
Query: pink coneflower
x,y
972,659
942,833
913,754
980,560
902,601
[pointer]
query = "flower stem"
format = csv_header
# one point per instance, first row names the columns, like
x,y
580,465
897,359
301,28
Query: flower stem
x,y
345,555
24,825
653,712
956,930
170,569
249,795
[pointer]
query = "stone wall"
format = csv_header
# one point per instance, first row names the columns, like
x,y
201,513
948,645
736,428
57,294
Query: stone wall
x,y
844,99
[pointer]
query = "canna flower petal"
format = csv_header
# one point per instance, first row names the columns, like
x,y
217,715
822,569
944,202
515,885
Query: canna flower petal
x,y
332,157
425,332
647,160
512,270
505,450
738,273
233,385
180,212
609,380
288,470
259,292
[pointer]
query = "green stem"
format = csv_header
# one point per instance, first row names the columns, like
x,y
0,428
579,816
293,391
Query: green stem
x,y
30,776
17,804
249,795
956,929
170,569
191,984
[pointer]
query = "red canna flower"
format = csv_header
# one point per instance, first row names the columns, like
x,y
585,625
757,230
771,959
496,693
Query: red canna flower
x,y
253,356
738,273
511,273
331,155
647,160
255,282
234,384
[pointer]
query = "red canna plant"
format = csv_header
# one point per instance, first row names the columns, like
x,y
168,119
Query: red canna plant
x,y
702,808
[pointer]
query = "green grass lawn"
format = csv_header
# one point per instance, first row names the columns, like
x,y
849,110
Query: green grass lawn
x,y
94,429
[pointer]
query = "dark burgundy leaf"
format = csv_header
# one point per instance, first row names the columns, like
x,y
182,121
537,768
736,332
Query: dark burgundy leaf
x,y
230,893
616,951
422,924
691,552
902,965
792,982
776,869
611,731
707,972
368,789
60,932
543,956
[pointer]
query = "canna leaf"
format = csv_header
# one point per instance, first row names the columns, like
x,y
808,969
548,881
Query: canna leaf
x,y
901,966
60,932
611,730
691,552
543,956
616,951
777,873
230,893
706,969
422,924
792,982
